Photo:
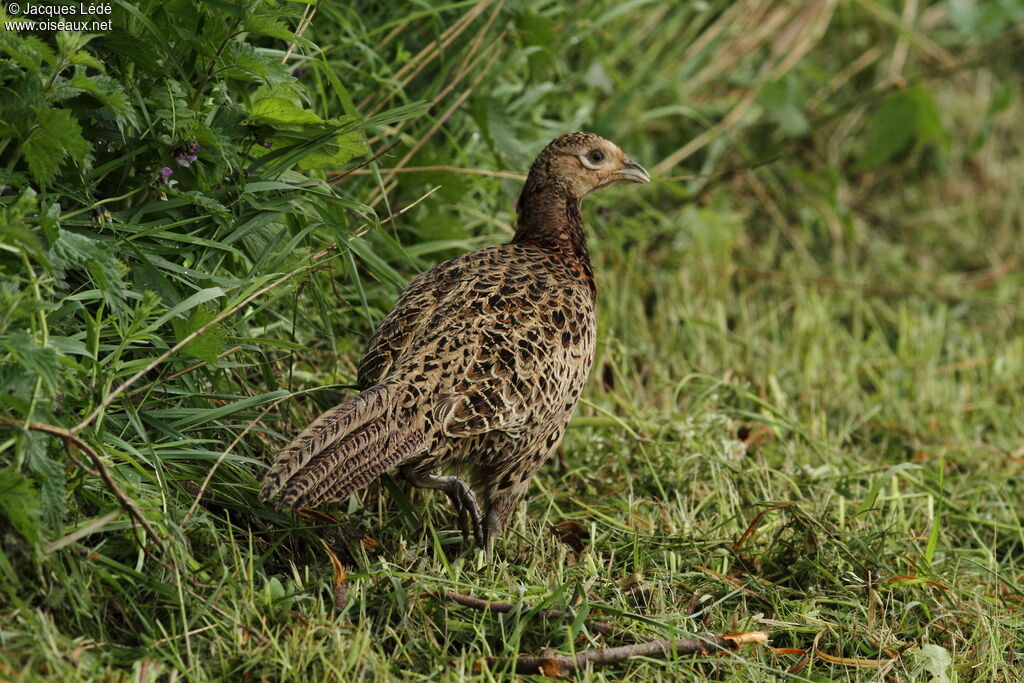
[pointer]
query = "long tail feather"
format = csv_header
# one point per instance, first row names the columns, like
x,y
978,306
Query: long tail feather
x,y
354,475
336,423
358,450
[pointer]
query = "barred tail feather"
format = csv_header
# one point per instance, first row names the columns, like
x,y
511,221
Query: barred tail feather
x,y
335,424
357,451
355,473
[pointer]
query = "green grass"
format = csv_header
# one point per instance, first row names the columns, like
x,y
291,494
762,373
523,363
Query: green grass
x,y
804,417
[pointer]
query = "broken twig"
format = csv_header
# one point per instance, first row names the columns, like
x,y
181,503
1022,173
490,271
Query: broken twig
x,y
556,665
601,627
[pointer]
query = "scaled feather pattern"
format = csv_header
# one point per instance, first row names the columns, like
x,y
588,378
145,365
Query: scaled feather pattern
x,y
480,363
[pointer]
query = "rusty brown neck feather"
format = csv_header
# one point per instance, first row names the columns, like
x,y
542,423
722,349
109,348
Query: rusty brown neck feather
x,y
549,216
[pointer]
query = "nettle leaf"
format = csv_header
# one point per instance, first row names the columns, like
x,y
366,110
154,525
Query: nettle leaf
x,y
204,201
170,106
268,26
71,42
904,118
56,135
103,88
29,52
281,112
20,503
52,480
83,58
42,361
240,61
207,346
72,250
340,150
17,230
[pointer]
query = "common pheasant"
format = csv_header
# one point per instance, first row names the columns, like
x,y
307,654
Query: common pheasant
x,y
480,363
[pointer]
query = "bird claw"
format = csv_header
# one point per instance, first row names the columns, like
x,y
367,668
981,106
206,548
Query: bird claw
x,y
465,503
462,497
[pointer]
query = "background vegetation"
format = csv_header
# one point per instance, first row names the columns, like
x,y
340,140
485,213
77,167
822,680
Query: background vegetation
x,y
805,415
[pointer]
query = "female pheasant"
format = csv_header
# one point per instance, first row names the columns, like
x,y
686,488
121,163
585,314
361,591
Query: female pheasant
x,y
479,365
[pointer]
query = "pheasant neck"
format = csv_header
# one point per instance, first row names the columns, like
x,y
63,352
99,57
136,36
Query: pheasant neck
x,y
553,220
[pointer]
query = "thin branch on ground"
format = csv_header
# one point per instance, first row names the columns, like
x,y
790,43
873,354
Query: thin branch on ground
x,y
555,665
122,497
601,627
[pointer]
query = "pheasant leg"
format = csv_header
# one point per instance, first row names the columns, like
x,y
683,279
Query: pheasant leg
x,y
462,497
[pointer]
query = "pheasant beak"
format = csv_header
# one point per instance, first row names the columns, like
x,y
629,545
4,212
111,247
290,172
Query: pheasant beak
x,y
633,172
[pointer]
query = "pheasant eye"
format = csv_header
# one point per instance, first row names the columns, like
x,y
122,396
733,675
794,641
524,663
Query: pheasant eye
x,y
592,159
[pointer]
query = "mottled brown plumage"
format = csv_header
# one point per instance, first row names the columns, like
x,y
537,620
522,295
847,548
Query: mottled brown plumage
x,y
480,363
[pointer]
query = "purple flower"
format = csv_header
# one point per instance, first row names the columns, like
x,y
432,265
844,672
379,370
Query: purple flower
x,y
186,154
265,143
163,180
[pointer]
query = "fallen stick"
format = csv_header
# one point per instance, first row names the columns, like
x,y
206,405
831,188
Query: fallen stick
x,y
555,665
601,627
126,502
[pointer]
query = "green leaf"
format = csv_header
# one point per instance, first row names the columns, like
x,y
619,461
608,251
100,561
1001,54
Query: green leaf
x,y
72,250
907,117
279,111
171,107
105,89
29,52
19,502
242,62
340,150
267,26
931,662
207,346
56,135
783,102
53,481
200,297
43,361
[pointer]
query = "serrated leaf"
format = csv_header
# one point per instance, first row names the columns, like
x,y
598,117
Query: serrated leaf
x,y
207,346
267,26
103,88
19,502
16,234
52,481
43,361
197,299
72,250
241,61
83,58
280,112
71,42
56,135
29,52
170,106
340,150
